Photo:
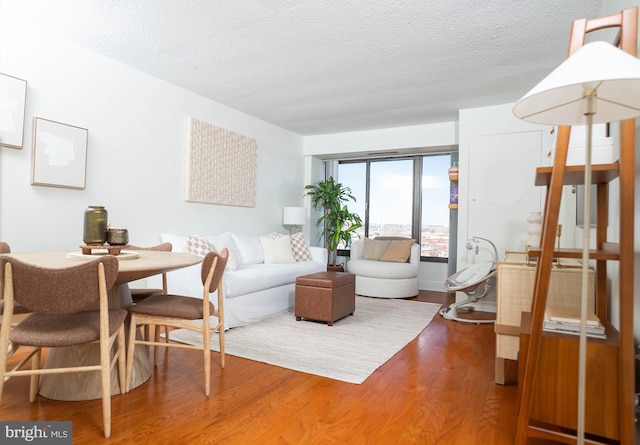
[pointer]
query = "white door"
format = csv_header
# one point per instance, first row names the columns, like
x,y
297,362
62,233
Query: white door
x,y
501,192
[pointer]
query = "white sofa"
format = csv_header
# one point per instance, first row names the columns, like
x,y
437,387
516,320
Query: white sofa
x,y
255,290
384,279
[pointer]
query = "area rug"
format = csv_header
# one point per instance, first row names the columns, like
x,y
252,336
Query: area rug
x,y
350,350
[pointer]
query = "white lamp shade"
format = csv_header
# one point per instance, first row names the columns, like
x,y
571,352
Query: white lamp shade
x,y
600,66
294,216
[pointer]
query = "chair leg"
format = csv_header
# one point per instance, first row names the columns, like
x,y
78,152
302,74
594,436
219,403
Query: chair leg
x,y
166,334
4,355
207,360
122,361
221,339
34,387
131,350
156,349
105,380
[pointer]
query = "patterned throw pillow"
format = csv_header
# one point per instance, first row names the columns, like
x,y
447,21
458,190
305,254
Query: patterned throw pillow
x,y
199,245
299,246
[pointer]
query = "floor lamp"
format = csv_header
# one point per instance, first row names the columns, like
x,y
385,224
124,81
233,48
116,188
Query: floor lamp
x,y
598,83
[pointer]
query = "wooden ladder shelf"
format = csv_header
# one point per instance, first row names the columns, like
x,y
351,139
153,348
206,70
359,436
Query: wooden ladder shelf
x,y
617,423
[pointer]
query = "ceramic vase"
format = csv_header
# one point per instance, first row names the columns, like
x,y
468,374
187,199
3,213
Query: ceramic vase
x,y
95,226
534,228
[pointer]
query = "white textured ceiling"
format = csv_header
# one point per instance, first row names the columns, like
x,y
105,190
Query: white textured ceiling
x,y
327,66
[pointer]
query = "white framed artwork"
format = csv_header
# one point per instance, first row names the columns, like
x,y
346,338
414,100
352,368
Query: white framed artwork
x,y
59,157
221,166
13,96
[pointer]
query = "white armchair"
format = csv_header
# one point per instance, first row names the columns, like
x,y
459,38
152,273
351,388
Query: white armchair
x,y
381,278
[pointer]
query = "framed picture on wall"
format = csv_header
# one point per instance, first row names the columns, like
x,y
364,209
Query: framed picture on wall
x,y
13,95
59,157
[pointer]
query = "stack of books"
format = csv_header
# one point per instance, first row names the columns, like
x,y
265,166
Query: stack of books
x,y
568,321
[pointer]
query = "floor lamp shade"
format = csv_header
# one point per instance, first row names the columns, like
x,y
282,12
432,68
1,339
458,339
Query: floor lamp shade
x,y
294,216
596,69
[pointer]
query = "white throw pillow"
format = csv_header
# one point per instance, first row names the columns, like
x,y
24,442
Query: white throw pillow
x,y
299,246
277,250
178,242
249,249
232,261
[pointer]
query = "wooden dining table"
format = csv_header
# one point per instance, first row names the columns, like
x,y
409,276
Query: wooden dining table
x,y
132,265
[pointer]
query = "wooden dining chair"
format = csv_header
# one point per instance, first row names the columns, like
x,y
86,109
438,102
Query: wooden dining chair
x,y
19,311
139,294
62,302
185,312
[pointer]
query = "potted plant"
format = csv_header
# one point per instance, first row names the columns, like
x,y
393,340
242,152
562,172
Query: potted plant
x,y
338,223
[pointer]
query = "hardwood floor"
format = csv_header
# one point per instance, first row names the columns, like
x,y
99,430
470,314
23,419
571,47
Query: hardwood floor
x,y
438,390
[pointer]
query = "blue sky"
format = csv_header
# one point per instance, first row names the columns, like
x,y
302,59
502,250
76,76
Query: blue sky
x,y
391,190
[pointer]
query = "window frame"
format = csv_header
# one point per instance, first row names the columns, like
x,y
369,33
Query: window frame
x,y
418,160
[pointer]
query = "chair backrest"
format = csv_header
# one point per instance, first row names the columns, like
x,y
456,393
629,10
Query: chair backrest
x,y
208,262
4,247
164,247
58,291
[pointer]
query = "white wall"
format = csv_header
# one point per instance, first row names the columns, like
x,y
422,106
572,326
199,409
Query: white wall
x,y
136,152
414,139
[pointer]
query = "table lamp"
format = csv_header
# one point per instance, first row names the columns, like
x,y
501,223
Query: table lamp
x,y
294,217
598,83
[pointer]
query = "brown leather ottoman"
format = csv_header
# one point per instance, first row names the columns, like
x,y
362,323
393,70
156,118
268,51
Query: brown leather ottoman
x,y
325,296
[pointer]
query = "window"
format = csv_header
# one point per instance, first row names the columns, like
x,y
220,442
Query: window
x,y
406,197
434,217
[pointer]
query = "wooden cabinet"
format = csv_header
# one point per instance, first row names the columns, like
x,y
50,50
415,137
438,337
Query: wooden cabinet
x,y
554,401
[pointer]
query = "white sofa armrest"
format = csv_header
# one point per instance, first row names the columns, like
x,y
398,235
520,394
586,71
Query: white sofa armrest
x,y
318,254
356,250
414,258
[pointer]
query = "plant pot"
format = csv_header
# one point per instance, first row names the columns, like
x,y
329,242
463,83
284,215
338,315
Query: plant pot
x,y
338,268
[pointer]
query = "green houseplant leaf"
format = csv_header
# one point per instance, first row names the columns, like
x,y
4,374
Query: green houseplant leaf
x,y
338,223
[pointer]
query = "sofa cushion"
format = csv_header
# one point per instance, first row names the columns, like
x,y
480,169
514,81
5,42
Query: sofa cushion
x,y
374,249
398,251
249,249
257,277
277,250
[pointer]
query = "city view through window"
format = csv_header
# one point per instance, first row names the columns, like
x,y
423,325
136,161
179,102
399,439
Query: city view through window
x,y
392,203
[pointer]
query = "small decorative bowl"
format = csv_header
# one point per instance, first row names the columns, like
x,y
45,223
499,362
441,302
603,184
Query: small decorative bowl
x,y
117,237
